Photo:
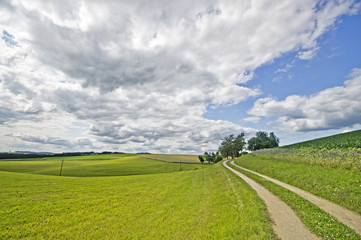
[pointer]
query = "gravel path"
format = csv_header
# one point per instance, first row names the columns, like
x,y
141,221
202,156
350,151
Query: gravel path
x,y
347,217
286,224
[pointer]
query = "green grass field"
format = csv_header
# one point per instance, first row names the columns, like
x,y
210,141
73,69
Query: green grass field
x,y
95,165
154,196
209,203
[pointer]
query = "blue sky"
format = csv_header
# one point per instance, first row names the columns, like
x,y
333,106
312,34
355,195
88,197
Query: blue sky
x,y
175,77
339,52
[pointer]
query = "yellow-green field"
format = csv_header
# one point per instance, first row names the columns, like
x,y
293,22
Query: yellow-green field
x,y
95,165
206,203
173,158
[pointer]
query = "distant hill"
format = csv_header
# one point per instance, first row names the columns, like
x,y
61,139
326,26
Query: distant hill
x,y
343,140
30,152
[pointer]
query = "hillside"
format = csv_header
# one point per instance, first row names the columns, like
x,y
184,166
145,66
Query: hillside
x,y
343,140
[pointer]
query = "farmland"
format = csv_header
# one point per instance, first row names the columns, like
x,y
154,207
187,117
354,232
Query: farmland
x,y
155,196
338,151
95,165
343,140
209,202
173,158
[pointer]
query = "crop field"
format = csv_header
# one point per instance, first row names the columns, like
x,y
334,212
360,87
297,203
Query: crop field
x,y
208,203
95,165
173,158
338,151
343,140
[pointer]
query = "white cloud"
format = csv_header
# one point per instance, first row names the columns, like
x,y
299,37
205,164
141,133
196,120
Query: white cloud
x,y
332,108
252,119
309,54
140,74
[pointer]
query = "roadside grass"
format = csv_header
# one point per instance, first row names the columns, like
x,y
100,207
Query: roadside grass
x,y
173,158
89,166
337,185
210,203
319,222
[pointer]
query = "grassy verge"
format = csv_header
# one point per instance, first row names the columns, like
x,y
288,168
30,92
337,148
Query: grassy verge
x,y
319,222
90,167
337,185
210,203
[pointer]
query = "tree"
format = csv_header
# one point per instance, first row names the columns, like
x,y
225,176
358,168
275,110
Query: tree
x,y
226,148
232,146
274,140
211,157
238,145
201,158
262,140
208,157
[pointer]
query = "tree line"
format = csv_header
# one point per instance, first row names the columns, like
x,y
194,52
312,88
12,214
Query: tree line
x,y
234,146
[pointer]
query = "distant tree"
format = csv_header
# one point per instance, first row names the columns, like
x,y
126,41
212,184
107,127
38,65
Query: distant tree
x,y
201,159
232,146
274,140
208,157
262,140
212,157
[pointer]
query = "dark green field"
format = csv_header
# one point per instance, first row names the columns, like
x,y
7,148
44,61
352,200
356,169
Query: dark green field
x,y
343,140
338,151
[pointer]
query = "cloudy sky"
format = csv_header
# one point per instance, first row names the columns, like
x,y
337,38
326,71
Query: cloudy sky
x,y
175,76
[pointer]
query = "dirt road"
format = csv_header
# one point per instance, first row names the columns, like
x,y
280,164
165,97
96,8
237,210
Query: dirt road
x,y
347,217
286,224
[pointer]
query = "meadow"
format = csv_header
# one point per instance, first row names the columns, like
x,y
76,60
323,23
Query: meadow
x,y
207,203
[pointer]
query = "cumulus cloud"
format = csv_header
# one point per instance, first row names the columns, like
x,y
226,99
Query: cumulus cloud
x,y
139,75
252,119
58,142
332,108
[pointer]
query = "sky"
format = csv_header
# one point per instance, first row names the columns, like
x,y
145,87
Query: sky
x,y
175,76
